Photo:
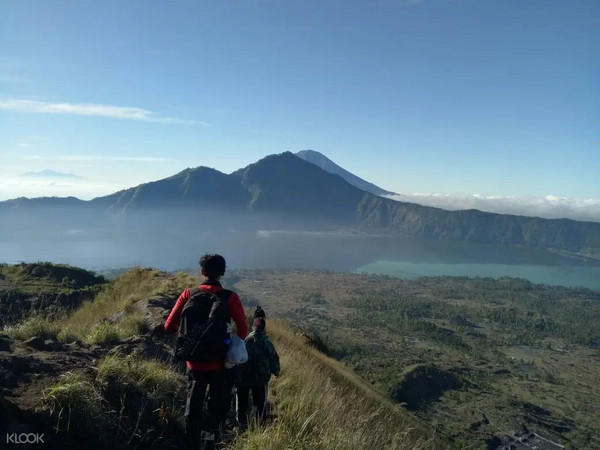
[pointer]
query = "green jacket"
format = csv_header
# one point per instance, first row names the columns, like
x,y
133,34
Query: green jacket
x,y
263,361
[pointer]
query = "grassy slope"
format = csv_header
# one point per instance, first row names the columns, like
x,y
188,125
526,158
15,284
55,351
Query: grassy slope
x,y
33,277
320,404
129,401
95,322
536,368
524,354
43,289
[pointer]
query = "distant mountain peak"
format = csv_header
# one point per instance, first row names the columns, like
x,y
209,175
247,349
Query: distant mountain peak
x,y
312,154
49,173
322,161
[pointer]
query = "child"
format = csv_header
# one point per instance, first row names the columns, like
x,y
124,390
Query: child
x,y
263,361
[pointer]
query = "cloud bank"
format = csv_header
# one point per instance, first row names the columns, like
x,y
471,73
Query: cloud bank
x,y
44,187
549,207
90,109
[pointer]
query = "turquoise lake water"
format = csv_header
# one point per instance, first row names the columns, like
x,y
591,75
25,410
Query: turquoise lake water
x,y
573,276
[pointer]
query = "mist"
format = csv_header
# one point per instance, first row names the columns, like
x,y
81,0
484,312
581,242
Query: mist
x,y
84,234
175,238
548,207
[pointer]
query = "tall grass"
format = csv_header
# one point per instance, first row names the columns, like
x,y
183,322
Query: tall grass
x,y
76,403
89,323
33,326
152,378
110,317
320,404
129,403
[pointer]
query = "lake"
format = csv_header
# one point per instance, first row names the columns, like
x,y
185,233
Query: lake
x,y
337,251
573,276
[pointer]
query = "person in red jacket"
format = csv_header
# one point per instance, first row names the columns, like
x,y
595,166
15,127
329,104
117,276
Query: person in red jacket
x,y
207,374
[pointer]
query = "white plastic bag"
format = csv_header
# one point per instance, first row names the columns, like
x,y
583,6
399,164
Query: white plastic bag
x,y
237,353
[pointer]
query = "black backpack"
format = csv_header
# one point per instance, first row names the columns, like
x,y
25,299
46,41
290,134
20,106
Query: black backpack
x,y
203,335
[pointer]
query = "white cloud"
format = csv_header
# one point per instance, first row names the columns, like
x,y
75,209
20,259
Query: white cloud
x,y
90,158
13,79
90,109
550,206
26,187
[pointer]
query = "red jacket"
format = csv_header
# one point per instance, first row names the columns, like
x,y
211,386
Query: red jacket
x,y
236,312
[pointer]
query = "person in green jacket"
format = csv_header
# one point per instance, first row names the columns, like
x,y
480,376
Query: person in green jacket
x,y
263,361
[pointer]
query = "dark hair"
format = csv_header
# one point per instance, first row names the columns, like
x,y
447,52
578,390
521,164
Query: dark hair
x,y
259,312
213,265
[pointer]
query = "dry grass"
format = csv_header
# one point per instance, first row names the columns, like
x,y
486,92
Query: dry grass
x,y
153,378
130,402
75,401
317,402
320,404
33,326
90,322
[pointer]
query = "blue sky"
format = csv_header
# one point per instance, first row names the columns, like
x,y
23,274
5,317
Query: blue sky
x,y
452,97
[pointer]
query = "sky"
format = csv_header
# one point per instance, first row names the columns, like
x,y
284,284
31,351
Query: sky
x,y
444,101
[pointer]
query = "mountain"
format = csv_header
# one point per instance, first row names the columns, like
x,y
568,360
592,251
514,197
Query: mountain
x,y
288,185
285,191
474,226
48,173
320,160
191,188
41,218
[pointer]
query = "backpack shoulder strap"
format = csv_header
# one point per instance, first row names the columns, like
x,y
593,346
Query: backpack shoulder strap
x,y
194,291
224,294
196,294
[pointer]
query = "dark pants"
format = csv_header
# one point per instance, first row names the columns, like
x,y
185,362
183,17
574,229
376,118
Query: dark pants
x,y
230,383
259,400
196,392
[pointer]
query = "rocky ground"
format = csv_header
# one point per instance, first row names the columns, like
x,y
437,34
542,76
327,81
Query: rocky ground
x,y
29,368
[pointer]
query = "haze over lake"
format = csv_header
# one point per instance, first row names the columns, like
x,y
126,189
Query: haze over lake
x,y
405,258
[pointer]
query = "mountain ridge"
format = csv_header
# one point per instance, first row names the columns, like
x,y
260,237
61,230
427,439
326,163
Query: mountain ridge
x,y
320,160
284,190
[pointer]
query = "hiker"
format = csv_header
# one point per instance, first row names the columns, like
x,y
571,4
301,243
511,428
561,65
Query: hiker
x,y
232,376
263,361
205,363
